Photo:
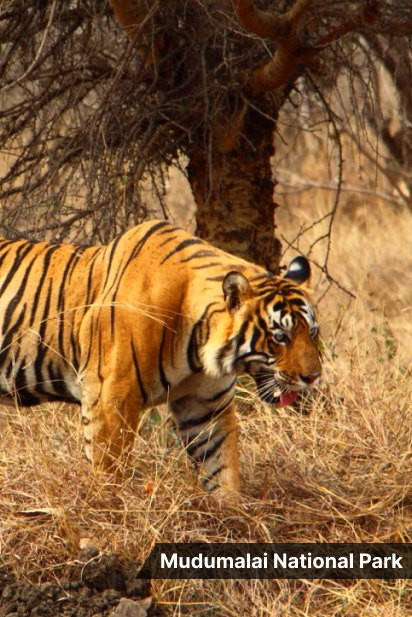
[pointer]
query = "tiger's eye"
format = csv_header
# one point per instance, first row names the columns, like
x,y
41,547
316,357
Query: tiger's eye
x,y
280,337
313,331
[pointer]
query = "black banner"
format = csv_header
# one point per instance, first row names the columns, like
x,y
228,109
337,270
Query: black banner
x,y
278,561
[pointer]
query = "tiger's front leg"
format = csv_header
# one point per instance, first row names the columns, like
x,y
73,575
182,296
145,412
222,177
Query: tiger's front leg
x,y
210,437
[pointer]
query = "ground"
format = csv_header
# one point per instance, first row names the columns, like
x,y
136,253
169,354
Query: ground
x,y
95,585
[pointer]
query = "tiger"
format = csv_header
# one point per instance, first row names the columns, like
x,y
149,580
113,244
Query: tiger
x,y
156,316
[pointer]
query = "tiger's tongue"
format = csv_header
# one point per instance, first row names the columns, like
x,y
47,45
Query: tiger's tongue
x,y
287,398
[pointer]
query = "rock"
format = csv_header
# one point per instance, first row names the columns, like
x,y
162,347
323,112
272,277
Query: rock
x,y
132,608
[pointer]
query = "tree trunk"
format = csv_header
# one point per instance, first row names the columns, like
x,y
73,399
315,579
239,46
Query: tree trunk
x,y
233,188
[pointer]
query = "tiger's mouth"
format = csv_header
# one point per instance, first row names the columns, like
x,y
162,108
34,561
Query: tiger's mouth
x,y
282,399
271,392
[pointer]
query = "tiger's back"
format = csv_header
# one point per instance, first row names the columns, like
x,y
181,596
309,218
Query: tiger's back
x,y
157,315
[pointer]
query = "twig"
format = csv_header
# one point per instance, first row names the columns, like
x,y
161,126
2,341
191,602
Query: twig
x,y
38,54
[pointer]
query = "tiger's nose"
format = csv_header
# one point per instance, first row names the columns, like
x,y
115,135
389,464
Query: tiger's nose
x,y
309,378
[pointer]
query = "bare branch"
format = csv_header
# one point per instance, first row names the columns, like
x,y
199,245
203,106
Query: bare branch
x,y
134,17
130,14
282,28
270,25
39,51
359,19
278,70
288,31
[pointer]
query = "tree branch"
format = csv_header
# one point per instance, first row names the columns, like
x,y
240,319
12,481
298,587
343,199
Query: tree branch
x,y
277,71
134,18
286,30
357,20
270,25
39,51
130,14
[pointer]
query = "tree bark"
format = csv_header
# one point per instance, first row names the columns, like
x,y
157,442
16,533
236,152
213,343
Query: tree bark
x,y
233,188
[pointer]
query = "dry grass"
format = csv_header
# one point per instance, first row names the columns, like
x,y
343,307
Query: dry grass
x,y
341,473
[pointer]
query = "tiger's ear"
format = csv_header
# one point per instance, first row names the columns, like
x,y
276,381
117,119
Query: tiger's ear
x,y
236,289
299,270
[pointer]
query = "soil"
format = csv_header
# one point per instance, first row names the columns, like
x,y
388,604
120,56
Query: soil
x,y
95,585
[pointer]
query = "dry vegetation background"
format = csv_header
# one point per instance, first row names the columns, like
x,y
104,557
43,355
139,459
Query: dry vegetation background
x,y
339,473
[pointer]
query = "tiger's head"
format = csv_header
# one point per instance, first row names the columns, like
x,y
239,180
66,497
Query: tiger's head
x,y
270,332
